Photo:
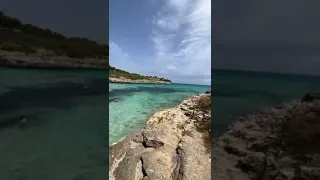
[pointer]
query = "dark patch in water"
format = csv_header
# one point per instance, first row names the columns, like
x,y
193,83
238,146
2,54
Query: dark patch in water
x,y
57,95
32,120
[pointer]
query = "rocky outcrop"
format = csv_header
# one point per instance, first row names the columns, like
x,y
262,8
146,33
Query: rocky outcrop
x,y
280,143
311,97
170,146
138,81
47,59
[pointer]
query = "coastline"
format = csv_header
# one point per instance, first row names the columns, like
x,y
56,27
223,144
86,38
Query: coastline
x,y
272,143
50,61
166,146
123,80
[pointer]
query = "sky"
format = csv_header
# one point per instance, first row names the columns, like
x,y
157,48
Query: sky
x,y
80,18
167,38
275,36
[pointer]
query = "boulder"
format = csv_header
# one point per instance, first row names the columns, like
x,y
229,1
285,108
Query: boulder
x,y
152,139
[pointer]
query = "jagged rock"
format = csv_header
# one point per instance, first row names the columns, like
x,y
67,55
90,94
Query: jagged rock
x,y
161,151
284,174
252,163
138,138
235,150
158,165
287,162
264,136
208,92
146,178
152,139
310,97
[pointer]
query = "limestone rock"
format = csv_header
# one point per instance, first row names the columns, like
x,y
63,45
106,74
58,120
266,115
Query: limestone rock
x,y
152,139
168,147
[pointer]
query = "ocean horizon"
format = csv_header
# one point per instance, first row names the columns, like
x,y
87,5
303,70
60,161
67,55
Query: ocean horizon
x,y
236,93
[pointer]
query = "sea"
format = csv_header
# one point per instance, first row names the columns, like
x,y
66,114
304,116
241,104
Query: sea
x,y
66,134
236,93
130,105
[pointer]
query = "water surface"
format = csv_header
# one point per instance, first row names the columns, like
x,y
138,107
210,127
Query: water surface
x,y
136,102
66,134
235,93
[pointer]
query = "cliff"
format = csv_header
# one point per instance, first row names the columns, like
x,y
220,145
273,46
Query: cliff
x,y
174,144
279,142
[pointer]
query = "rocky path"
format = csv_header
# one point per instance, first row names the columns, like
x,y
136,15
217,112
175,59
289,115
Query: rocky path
x,y
170,146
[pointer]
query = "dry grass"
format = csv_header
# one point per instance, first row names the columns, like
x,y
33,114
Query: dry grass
x,y
204,104
203,124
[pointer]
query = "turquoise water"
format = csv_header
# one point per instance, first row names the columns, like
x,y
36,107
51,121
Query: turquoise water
x,y
235,93
66,134
137,102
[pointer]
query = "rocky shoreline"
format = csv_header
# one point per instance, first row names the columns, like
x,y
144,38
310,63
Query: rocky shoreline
x,y
48,59
139,81
280,142
274,143
172,145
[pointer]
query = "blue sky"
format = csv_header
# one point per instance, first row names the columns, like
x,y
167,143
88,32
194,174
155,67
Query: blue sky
x,y
168,38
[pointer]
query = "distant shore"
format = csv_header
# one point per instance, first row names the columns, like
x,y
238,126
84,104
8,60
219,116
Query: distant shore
x,y
138,81
38,60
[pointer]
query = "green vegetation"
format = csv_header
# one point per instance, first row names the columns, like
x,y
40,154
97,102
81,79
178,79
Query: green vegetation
x,y
117,73
16,36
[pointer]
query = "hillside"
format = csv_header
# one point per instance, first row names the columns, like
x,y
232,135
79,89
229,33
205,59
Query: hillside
x,y
29,45
121,76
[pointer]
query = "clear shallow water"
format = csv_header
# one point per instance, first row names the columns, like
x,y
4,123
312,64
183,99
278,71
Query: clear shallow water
x,y
236,93
66,134
137,102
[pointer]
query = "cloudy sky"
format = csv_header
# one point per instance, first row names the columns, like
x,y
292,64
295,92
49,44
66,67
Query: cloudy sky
x,y
267,35
168,38
81,18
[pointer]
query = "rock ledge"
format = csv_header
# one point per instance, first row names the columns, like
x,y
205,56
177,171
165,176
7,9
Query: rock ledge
x,y
170,146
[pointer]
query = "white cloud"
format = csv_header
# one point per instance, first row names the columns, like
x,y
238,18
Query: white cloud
x,y
117,52
182,39
120,59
